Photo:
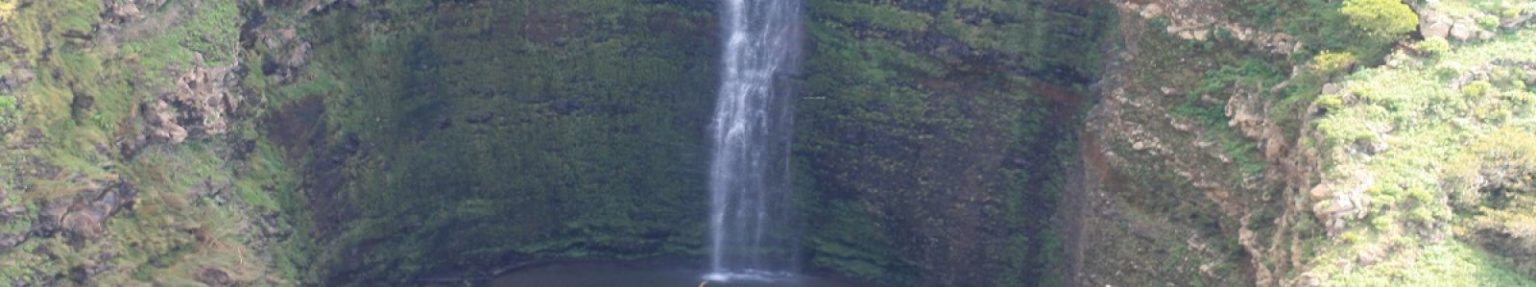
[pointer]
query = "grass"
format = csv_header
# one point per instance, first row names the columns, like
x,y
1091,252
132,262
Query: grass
x,y
1448,263
195,204
1424,122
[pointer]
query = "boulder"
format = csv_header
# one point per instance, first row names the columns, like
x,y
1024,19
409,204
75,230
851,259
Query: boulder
x,y
122,12
1434,25
1464,30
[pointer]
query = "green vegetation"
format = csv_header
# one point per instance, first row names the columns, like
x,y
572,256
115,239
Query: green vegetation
x,y
1364,28
1442,159
8,113
1381,17
427,138
1434,46
1328,63
1449,263
82,112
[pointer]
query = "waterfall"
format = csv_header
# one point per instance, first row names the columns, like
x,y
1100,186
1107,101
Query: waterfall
x,y
751,233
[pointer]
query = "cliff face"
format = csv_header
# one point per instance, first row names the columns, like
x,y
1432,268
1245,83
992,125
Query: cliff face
x,y
938,143
930,134
935,136
469,135
461,136
441,140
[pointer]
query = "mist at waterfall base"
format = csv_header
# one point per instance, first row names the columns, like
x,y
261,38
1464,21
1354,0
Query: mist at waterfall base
x,y
643,274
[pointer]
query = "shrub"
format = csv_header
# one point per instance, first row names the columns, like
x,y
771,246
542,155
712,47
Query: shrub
x,y
1512,12
1434,46
7,104
1488,21
1380,17
1329,102
1328,62
1477,89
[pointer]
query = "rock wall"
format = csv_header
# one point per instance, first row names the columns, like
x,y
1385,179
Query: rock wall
x,y
930,134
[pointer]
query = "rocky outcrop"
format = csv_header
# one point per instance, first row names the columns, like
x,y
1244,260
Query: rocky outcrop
x,y
289,54
1200,21
1465,26
1170,188
84,215
199,104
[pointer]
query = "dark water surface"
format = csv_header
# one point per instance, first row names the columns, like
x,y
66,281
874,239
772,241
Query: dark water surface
x,y
628,275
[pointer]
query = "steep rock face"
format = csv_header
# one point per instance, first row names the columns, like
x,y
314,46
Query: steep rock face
x,y
1179,180
1219,159
451,138
931,133
928,134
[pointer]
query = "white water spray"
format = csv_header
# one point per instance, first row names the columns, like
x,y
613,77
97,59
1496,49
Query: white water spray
x,y
751,233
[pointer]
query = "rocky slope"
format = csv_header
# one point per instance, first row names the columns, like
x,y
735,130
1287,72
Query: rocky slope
x,y
1227,155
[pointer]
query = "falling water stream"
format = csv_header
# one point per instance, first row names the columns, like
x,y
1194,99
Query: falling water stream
x,y
751,233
